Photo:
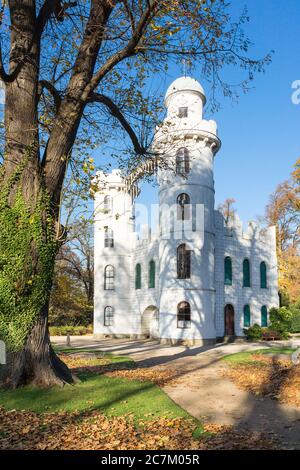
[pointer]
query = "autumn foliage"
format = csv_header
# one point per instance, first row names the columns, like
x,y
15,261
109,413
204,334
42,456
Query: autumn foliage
x,y
283,211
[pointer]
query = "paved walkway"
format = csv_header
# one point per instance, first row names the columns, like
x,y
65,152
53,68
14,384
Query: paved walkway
x,y
202,390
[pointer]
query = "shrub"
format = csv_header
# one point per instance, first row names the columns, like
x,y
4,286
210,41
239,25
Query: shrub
x,y
281,321
254,332
295,323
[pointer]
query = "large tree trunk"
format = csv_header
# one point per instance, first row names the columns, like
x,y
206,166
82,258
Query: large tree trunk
x,y
35,363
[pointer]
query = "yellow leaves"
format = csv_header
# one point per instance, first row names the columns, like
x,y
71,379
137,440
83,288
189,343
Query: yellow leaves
x,y
154,374
289,268
155,27
25,430
88,166
85,362
92,362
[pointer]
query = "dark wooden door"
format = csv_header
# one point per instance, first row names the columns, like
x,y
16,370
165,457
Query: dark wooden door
x,y
229,320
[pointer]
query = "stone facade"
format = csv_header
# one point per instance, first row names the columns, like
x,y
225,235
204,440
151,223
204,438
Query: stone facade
x,y
130,305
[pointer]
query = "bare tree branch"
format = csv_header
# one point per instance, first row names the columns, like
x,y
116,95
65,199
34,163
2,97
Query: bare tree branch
x,y
49,7
115,111
54,92
127,51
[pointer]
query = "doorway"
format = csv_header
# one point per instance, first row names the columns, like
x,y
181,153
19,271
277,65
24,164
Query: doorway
x,y
149,322
229,320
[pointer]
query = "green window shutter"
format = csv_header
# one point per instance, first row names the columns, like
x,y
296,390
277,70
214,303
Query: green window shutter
x,y
228,271
246,273
247,316
152,274
264,316
263,275
138,276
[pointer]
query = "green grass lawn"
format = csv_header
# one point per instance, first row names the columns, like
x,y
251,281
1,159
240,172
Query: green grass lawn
x,y
111,395
246,357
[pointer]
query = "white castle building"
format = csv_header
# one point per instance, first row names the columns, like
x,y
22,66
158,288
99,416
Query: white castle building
x,y
196,279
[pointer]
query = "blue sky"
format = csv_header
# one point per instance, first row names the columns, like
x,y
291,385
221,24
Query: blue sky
x,y
260,134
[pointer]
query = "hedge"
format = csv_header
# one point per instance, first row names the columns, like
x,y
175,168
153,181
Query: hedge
x,y
72,330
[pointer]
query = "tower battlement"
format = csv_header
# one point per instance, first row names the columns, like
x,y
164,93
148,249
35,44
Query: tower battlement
x,y
251,230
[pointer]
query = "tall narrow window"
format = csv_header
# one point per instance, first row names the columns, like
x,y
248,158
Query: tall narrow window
x,y
152,274
182,161
183,112
246,273
247,316
228,271
109,277
263,275
183,315
183,207
183,262
108,237
138,276
107,204
264,316
108,316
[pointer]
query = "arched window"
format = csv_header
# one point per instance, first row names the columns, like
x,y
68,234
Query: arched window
x,y
109,277
263,275
247,316
183,262
138,276
264,316
182,161
108,237
228,271
183,315
246,273
108,316
152,274
183,207
107,204
183,112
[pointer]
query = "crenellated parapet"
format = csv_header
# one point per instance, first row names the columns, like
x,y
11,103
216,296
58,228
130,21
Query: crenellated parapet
x,y
252,231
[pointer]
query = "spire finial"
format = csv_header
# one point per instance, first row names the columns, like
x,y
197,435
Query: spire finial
x,y
186,65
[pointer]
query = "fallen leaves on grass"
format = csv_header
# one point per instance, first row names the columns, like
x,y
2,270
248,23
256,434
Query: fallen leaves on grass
x,y
25,430
80,362
92,363
273,377
155,375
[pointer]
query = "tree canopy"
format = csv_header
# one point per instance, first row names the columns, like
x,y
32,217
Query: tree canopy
x,y
283,211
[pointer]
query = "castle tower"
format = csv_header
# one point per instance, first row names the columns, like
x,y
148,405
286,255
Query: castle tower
x,y
188,144
113,238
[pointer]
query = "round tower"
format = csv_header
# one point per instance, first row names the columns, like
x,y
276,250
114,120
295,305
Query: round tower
x,y
113,238
187,144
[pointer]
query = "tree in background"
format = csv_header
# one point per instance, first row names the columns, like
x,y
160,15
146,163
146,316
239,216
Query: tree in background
x,y
71,301
73,71
283,211
228,210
